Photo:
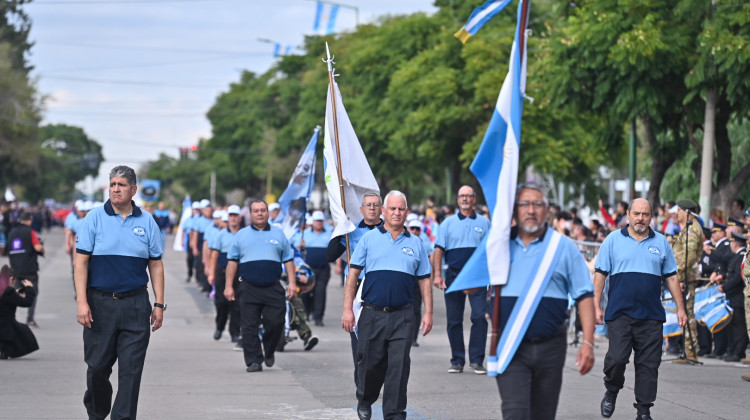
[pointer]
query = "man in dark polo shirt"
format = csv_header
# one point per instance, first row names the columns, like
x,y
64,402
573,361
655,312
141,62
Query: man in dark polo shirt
x,y
393,260
115,245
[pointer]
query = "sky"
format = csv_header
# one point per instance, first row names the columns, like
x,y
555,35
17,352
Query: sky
x,y
139,75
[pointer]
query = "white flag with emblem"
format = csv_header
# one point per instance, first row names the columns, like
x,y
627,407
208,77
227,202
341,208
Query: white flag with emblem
x,y
357,177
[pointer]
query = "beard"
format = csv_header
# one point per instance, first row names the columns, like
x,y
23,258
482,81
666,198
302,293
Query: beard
x,y
530,229
642,229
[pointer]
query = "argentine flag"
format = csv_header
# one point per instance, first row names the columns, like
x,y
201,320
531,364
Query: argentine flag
x,y
496,169
479,17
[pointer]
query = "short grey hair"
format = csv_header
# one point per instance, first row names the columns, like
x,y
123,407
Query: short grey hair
x,y
370,194
532,186
396,193
125,172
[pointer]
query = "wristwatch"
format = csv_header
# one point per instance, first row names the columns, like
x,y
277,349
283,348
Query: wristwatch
x,y
163,306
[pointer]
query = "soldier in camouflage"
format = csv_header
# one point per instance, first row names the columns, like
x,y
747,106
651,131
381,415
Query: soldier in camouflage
x,y
687,249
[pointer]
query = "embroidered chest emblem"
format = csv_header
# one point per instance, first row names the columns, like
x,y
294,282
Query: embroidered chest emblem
x,y
140,231
654,250
408,251
478,229
272,242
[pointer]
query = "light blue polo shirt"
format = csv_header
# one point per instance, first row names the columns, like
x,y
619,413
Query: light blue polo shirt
x,y
316,245
459,236
391,266
570,276
200,225
210,235
354,237
188,225
635,272
119,249
222,242
260,254
75,224
70,219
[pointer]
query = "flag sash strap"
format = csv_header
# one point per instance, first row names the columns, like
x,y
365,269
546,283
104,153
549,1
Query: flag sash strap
x,y
525,306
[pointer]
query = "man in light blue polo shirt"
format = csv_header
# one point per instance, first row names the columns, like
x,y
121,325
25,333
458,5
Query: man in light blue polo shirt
x,y
187,228
197,232
220,246
371,209
392,260
256,254
115,245
458,237
636,259
530,385
313,244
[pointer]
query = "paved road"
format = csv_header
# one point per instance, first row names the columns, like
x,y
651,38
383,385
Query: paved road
x,y
188,375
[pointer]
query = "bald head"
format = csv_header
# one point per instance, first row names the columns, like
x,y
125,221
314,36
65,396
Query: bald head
x,y
466,200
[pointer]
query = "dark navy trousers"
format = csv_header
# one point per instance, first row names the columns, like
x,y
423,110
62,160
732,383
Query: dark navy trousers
x,y
120,332
455,302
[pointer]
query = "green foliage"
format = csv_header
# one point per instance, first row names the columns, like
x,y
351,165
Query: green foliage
x,y
418,99
66,155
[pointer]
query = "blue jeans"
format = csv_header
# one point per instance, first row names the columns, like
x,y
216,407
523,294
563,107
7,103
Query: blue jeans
x,y
455,302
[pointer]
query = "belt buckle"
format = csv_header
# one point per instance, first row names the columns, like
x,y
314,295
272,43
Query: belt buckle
x,y
388,309
114,296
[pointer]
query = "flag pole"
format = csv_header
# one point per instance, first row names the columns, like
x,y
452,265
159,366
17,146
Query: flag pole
x,y
495,337
329,61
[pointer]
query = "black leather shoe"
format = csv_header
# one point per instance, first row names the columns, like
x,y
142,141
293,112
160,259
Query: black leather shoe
x,y
608,404
364,412
644,416
270,361
732,358
254,367
217,335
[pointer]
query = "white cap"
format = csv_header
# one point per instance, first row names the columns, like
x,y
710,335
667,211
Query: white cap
x,y
412,216
196,205
217,214
98,204
674,209
415,224
274,206
78,204
233,209
225,217
318,215
87,205
308,221
205,203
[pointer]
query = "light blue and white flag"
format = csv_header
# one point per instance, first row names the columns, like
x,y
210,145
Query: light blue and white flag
x,y
179,240
293,201
496,169
479,17
329,18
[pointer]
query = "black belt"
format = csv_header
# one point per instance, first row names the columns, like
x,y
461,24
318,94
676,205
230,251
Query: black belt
x,y
536,340
119,295
385,308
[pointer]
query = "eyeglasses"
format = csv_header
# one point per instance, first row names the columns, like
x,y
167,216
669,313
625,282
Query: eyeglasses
x,y
371,205
465,196
534,204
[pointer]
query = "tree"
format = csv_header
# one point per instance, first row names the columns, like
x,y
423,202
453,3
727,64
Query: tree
x,y
66,155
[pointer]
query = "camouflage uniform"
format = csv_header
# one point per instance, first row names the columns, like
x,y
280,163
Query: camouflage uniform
x,y
746,276
693,235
